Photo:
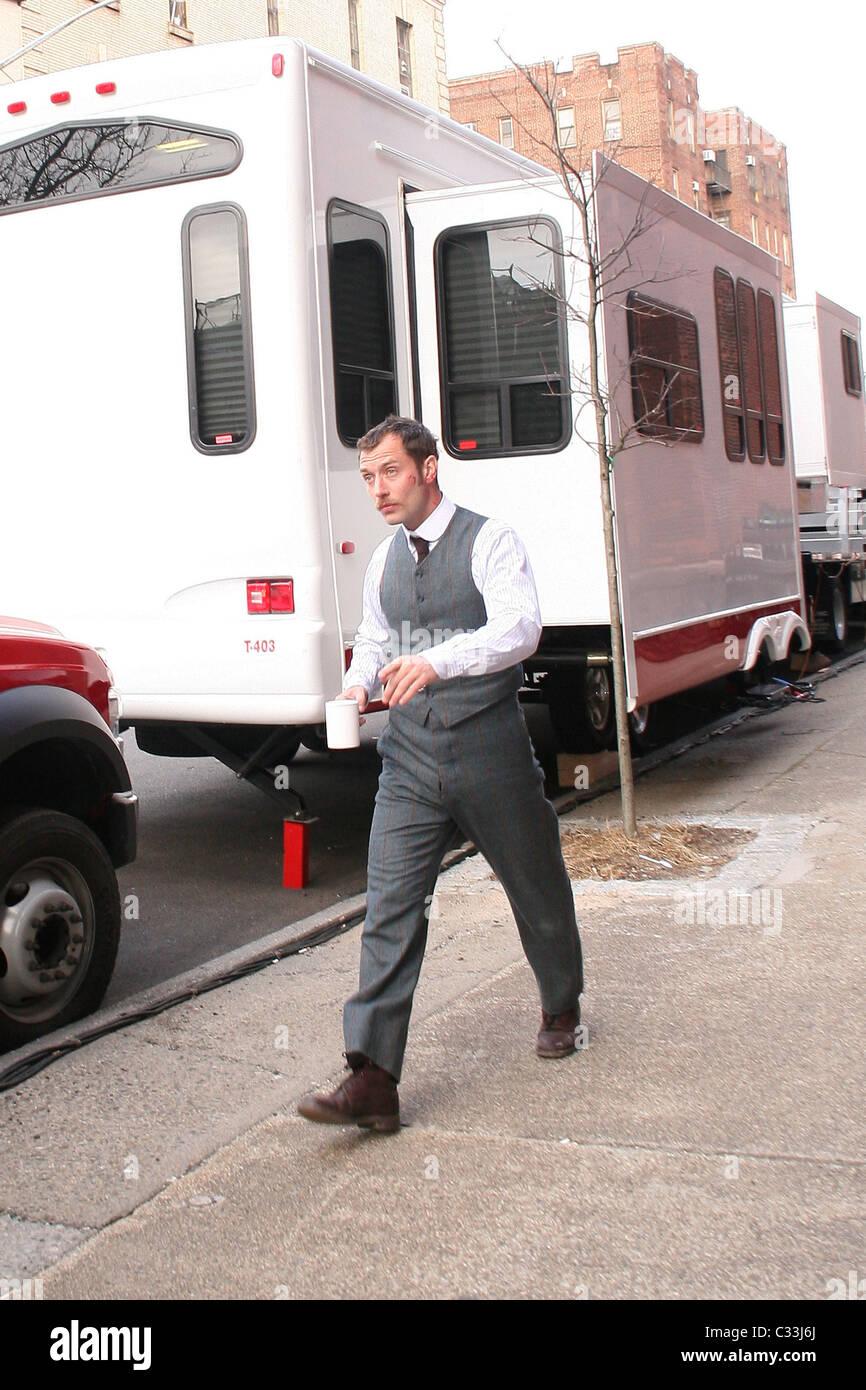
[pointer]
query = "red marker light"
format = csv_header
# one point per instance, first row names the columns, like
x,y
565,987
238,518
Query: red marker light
x,y
277,63
16,107
258,596
60,97
468,444
282,596
223,439
270,596
104,89
346,548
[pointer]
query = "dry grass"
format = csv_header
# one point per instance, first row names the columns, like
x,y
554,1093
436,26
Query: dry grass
x,y
660,851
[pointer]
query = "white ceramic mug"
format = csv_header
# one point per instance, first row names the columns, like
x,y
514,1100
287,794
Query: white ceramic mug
x,y
342,723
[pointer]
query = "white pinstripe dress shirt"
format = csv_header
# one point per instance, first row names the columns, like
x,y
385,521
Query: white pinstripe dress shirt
x,y
502,575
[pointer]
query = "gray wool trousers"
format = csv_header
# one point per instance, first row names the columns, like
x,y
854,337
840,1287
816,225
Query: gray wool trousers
x,y
477,781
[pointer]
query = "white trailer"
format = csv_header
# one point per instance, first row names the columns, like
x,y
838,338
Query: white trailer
x,y
828,416
224,264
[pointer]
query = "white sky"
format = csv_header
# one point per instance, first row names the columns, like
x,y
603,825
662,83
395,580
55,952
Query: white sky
x,y
797,70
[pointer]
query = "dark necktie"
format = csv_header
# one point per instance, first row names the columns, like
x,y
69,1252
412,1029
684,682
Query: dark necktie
x,y
422,547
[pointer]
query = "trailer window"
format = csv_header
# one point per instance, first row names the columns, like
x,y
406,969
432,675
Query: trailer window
x,y
747,325
87,161
771,377
219,339
361,320
851,368
729,365
665,369
502,349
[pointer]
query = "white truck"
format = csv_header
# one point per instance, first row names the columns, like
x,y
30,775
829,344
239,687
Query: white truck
x,y
224,264
828,415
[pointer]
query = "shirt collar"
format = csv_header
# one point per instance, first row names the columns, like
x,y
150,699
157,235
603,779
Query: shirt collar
x,y
434,526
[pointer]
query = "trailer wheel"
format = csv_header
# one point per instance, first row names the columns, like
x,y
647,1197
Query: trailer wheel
x,y
315,739
642,727
582,711
831,618
59,923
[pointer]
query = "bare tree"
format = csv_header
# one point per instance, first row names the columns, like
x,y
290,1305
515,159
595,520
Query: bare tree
x,y
603,273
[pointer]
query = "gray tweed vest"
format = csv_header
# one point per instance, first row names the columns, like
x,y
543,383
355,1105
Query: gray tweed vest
x,y
427,603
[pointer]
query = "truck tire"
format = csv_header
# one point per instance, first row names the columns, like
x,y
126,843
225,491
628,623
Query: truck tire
x,y
582,711
59,923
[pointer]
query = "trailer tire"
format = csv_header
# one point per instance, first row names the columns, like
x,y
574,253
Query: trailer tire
x,y
315,739
643,728
582,711
59,922
832,618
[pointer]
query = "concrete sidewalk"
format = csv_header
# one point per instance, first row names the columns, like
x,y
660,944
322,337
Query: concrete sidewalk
x,y
708,1143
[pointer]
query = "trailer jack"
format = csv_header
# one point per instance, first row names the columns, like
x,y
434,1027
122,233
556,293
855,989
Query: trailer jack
x,y
262,769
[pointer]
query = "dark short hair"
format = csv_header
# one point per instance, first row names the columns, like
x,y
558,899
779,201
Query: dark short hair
x,y
416,439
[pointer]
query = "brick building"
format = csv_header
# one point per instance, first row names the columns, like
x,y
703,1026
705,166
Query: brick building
x,y
643,110
399,42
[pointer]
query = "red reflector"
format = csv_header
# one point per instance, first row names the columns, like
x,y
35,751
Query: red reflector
x,y
282,596
16,107
346,548
277,65
468,444
104,89
347,656
223,439
258,596
60,97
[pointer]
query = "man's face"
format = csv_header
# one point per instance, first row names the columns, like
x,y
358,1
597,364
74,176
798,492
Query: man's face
x,y
401,490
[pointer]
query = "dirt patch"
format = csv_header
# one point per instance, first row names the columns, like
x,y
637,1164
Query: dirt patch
x,y
660,851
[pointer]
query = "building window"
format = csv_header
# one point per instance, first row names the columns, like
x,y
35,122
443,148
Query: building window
x,y
676,184
503,355
665,369
218,334
671,123
851,368
767,234
612,112
723,218
696,195
273,18
565,126
361,319
354,35
404,56
469,125
756,231
775,241
506,132
177,14
786,253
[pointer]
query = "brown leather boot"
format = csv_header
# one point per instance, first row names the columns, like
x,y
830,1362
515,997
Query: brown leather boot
x,y
556,1034
368,1098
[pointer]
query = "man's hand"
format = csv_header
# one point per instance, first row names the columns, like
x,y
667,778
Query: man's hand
x,y
404,677
356,692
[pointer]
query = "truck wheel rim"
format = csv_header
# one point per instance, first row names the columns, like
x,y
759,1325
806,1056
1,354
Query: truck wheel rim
x,y
46,938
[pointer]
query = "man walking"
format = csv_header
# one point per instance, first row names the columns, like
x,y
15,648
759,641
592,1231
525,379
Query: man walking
x,y
457,762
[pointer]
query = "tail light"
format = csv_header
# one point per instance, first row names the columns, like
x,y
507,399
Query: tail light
x,y
270,596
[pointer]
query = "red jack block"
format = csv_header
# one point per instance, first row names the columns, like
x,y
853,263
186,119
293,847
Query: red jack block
x,y
296,854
